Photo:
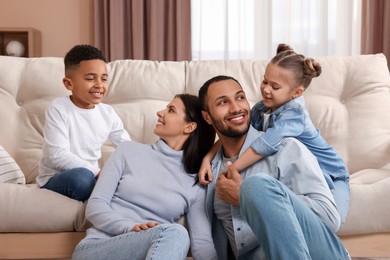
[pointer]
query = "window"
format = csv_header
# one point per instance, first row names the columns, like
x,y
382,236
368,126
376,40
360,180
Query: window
x,y
252,29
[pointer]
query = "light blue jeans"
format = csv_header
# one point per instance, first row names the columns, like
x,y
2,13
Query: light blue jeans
x,y
284,225
165,241
341,196
76,183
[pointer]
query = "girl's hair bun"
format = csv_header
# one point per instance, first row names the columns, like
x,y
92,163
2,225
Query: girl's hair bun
x,y
283,47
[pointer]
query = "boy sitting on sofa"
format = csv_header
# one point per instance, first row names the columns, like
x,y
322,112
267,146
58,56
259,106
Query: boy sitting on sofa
x,y
77,126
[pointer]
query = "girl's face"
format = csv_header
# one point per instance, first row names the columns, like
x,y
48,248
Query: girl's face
x,y
277,87
171,124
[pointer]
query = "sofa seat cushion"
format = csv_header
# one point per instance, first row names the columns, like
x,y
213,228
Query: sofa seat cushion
x,y
369,210
27,208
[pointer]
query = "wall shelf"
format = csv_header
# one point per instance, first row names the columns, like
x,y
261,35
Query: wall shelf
x,y
30,39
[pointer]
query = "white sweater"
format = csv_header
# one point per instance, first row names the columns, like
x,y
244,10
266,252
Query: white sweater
x,y
73,137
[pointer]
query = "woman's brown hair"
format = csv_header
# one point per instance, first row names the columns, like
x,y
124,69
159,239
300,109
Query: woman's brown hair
x,y
201,140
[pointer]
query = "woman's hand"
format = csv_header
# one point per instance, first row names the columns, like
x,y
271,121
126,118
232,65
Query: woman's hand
x,y
144,226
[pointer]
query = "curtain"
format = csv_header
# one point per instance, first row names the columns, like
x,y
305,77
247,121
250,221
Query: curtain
x,y
252,29
143,29
376,27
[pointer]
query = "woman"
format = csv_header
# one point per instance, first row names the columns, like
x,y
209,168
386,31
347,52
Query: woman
x,y
145,188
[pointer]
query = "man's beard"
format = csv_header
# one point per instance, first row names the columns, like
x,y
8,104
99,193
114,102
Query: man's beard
x,y
227,130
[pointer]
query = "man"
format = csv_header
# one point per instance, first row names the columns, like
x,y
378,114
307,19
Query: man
x,y
278,208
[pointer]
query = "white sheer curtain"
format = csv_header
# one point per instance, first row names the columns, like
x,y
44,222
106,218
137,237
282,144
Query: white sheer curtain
x,y
251,29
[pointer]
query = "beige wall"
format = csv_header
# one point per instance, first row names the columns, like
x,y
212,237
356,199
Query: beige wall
x,y
62,23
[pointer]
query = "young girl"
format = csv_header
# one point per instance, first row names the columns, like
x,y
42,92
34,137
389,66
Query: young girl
x,y
282,113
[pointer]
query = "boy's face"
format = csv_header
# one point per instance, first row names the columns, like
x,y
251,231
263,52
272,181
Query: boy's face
x,y
88,83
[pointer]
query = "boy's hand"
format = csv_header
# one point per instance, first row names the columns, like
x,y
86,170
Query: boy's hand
x,y
205,175
97,175
144,226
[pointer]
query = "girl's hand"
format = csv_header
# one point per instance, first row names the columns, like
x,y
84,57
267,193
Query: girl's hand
x,y
205,175
144,226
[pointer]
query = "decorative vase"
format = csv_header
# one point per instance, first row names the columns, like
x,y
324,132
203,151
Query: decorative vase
x,y
14,48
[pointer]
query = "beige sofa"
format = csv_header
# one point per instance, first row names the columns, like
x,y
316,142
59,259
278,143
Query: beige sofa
x,y
349,103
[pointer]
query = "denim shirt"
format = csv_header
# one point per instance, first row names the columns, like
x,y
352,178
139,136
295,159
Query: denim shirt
x,y
292,120
304,178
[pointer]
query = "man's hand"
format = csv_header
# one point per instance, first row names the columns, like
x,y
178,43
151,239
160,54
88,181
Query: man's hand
x,y
144,226
228,185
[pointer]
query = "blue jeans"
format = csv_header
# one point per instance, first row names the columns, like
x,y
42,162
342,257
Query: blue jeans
x,y
75,183
165,241
285,226
341,196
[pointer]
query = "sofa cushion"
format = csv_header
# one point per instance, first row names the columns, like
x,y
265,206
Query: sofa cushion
x,y
140,88
27,208
27,88
369,203
9,169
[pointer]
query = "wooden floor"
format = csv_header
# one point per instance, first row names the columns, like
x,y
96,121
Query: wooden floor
x,y
60,245
39,245
368,246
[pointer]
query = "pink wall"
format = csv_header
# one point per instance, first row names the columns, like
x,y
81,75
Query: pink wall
x,y
62,23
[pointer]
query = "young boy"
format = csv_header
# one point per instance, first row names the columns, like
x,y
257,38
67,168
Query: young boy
x,y
77,126
282,113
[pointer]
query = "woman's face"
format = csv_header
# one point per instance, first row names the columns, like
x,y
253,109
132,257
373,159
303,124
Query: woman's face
x,y
171,123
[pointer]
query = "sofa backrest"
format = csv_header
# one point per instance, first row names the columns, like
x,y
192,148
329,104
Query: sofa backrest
x,y
349,102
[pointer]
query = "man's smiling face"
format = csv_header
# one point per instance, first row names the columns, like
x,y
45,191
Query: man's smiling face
x,y
228,108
